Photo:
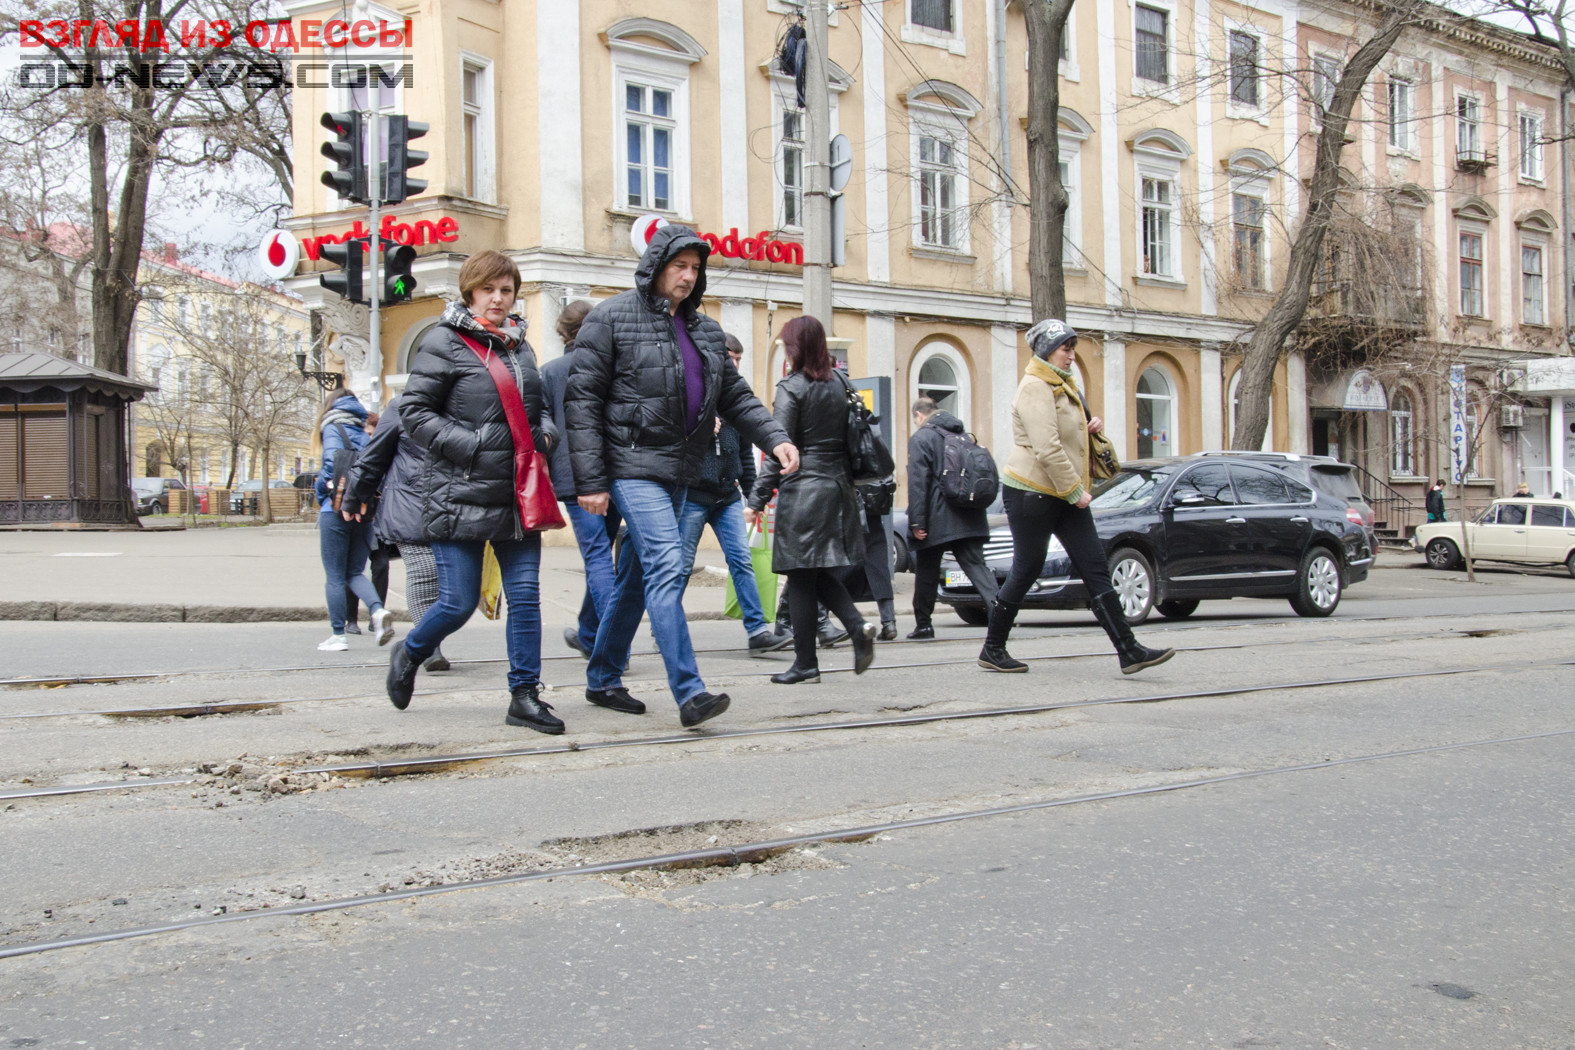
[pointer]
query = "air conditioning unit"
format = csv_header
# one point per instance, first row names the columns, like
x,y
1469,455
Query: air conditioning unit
x,y
1511,417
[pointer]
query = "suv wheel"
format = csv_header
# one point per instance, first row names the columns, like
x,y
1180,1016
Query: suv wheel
x,y
1569,564
1318,584
899,555
1134,582
1177,609
1442,553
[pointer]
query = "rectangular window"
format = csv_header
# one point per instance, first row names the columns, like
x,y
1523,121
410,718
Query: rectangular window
x,y
1247,230
1468,129
1471,275
649,130
1158,209
792,174
1152,52
470,106
939,221
1326,74
1244,69
932,14
1531,147
1532,310
1400,106
1402,441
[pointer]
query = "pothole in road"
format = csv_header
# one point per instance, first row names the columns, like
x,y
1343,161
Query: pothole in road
x,y
687,839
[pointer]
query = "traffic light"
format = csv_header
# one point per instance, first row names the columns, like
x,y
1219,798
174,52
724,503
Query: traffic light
x,y
401,158
348,152
398,285
346,280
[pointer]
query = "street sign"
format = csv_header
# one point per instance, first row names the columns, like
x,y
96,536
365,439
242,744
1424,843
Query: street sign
x,y
279,253
841,162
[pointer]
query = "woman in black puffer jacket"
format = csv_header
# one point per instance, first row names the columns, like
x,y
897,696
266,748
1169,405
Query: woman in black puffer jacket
x,y
452,410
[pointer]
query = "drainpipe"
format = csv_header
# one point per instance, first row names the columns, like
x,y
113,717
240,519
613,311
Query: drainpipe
x,y
1002,102
1564,205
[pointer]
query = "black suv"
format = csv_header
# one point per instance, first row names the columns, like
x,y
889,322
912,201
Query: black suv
x,y
1181,530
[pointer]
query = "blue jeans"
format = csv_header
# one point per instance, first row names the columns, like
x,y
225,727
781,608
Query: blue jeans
x,y
594,535
727,522
459,589
650,578
344,546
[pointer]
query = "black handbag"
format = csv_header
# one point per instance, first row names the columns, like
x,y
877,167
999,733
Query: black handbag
x,y
878,496
868,456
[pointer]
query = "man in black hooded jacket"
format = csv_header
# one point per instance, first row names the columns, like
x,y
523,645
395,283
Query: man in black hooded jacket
x,y
650,376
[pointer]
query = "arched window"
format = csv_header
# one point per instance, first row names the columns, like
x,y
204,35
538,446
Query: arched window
x,y
939,372
1156,415
1235,401
1402,436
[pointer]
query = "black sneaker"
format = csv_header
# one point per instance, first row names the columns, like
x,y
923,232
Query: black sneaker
x,y
615,699
997,659
701,707
770,640
526,708
401,677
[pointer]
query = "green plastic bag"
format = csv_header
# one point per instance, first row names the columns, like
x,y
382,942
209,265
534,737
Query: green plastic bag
x,y
765,579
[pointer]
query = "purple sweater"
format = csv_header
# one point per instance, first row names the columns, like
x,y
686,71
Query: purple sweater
x,y
694,372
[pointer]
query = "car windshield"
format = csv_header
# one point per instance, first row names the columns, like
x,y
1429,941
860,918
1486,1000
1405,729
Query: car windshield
x,y
1130,488
1336,480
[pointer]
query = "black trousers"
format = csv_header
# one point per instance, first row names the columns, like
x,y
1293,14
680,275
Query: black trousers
x,y
927,575
1034,518
806,588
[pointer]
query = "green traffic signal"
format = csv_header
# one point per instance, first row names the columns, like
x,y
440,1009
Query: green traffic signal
x,y
398,284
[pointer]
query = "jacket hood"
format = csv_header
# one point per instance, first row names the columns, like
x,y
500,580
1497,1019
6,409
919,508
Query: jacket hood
x,y
349,404
666,243
945,421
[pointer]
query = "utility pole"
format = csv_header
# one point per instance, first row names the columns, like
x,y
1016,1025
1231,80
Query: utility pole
x,y
817,194
374,242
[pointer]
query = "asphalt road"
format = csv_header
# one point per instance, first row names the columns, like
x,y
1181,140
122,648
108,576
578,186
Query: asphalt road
x,y
1383,897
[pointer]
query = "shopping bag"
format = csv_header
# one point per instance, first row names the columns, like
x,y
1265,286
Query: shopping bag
x,y
491,584
765,579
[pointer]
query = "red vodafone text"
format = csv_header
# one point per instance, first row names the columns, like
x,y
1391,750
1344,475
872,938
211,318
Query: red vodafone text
x,y
443,231
762,247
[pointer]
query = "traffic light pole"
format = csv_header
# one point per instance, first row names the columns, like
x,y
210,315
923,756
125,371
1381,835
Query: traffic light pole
x,y
374,243
817,196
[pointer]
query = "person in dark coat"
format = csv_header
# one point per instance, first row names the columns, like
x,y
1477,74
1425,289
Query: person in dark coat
x,y
592,532
452,410
936,525
650,376
820,517
1435,502
388,472
716,500
345,545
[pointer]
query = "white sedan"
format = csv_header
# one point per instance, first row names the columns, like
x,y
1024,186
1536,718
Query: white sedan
x,y
1524,530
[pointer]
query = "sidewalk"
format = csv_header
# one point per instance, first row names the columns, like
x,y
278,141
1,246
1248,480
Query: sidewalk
x,y
240,575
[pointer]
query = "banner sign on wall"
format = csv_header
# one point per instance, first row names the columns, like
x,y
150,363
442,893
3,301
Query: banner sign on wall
x,y
1459,434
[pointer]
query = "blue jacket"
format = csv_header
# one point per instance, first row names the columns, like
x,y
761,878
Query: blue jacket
x,y
346,419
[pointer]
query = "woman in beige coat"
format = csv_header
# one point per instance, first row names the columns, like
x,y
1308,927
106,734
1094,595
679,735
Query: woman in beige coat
x,y
1045,489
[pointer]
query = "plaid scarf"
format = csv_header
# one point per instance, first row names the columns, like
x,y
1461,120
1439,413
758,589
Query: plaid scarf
x,y
457,314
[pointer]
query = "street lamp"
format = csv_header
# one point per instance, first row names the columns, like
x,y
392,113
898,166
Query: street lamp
x,y
326,380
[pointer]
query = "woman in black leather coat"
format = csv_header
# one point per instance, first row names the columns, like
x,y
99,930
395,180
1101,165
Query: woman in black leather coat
x,y
819,522
452,410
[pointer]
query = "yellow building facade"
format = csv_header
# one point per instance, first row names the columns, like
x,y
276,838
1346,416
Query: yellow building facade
x,y
1186,131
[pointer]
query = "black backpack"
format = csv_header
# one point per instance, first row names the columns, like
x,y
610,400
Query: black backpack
x,y
344,463
968,475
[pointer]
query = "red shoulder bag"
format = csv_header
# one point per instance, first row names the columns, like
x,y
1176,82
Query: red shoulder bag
x,y
539,510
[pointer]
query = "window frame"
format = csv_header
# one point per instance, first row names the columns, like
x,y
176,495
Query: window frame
x,y
953,40
1540,246
1402,447
1324,83
1260,193
1233,403
1475,152
934,121
1159,156
1235,106
1071,154
482,184
939,348
1172,398
1402,136
1480,234
1168,89
1535,117
647,67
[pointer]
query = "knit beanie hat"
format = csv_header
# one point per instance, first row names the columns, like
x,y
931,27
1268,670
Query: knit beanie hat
x,y
1046,336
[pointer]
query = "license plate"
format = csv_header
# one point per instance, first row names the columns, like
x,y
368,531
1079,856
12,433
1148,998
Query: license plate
x,y
958,578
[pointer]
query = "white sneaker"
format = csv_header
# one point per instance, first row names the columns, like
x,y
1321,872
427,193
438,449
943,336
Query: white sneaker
x,y
383,626
335,644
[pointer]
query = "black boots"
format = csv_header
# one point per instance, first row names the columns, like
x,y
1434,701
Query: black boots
x,y
994,657
863,647
526,708
401,677
1134,656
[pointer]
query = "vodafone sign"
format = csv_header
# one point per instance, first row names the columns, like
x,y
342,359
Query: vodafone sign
x,y
762,247
279,253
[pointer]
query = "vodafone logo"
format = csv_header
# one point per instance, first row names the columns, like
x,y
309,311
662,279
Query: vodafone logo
x,y
643,230
279,253
760,248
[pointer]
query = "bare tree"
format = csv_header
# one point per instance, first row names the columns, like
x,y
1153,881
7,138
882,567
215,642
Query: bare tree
x,y
1290,305
123,126
1047,196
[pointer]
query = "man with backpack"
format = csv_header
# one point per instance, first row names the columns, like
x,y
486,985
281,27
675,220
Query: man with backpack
x,y
952,481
